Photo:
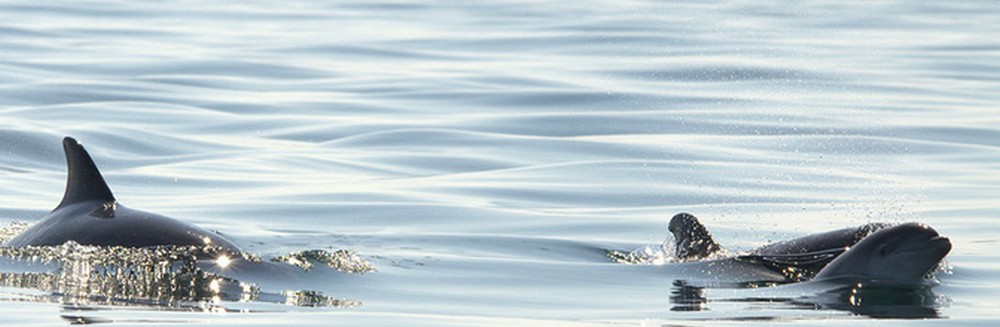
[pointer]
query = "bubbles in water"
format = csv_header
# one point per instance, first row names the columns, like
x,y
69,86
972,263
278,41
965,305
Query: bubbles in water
x,y
663,253
9,231
647,255
341,260
161,276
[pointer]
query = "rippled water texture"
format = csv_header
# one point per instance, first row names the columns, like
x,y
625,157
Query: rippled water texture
x,y
484,157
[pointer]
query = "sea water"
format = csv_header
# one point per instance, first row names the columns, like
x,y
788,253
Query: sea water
x,y
484,157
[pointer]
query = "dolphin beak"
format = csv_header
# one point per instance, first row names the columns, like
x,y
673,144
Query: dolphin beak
x,y
941,243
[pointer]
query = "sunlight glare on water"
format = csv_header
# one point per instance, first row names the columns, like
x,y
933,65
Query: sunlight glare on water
x,y
440,163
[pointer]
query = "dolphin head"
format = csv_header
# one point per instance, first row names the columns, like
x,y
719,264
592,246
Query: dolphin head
x,y
905,252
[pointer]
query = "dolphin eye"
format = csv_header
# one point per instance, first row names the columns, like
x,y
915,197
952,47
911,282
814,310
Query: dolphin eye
x,y
883,250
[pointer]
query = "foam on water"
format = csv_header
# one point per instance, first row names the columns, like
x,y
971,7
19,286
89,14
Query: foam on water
x,y
169,277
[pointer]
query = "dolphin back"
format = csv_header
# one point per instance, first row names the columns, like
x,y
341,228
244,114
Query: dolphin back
x,y
90,215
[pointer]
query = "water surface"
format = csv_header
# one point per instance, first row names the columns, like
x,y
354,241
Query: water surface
x,y
485,156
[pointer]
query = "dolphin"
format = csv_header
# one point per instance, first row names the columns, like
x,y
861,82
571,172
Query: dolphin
x,y
693,241
89,214
905,252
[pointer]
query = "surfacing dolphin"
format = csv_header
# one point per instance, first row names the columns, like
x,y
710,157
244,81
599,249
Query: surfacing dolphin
x,y
902,253
905,252
89,214
166,260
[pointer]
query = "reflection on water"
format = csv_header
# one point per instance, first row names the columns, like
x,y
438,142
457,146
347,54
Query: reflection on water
x,y
163,277
868,298
687,298
466,131
878,300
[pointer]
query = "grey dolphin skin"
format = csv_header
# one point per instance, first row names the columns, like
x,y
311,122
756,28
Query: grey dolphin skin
x,y
905,252
89,214
692,239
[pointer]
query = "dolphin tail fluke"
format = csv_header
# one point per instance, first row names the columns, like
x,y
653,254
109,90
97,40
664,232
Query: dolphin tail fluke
x,y
692,239
84,182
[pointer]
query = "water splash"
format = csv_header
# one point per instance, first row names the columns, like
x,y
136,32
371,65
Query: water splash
x,y
661,254
166,276
11,230
342,260
646,255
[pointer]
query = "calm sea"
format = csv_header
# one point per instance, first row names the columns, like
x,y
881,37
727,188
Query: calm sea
x,y
484,156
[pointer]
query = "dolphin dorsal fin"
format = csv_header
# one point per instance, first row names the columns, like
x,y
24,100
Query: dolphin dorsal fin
x,y
83,182
692,239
